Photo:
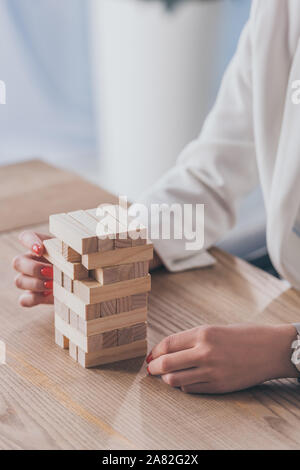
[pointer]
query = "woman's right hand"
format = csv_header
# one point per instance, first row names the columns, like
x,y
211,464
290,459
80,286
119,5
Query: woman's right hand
x,y
35,272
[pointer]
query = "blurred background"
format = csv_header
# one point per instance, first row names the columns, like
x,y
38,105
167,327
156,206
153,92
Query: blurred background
x,y
114,89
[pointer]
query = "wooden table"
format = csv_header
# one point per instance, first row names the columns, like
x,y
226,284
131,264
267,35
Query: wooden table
x,y
49,402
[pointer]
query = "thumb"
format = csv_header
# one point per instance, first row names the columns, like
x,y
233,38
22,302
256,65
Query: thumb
x,y
33,241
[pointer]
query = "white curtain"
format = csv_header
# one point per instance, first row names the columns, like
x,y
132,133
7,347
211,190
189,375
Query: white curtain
x,y
44,61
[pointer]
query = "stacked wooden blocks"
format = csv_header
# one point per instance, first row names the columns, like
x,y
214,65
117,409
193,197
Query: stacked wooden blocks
x,y
101,285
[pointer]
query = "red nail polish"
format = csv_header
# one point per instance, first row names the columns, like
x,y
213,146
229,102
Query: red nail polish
x,y
37,249
149,358
148,371
47,272
46,293
48,285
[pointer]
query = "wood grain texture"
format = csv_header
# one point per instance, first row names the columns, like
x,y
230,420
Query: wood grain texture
x,y
139,331
139,241
108,339
124,304
73,351
92,292
47,401
67,283
112,274
59,191
110,355
108,308
86,312
62,310
83,217
66,332
117,257
133,333
265,417
73,233
111,322
123,242
58,276
71,269
61,340
69,254
141,269
139,301
73,319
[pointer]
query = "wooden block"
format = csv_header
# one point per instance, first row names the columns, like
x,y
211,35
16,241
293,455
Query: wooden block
x,y
125,336
109,339
67,283
133,333
139,241
107,275
112,322
108,308
139,301
58,276
112,274
110,355
118,257
106,244
83,217
62,310
124,304
92,292
73,319
141,268
61,340
123,243
92,343
139,331
85,311
74,335
73,351
82,325
126,272
53,255
69,254
73,233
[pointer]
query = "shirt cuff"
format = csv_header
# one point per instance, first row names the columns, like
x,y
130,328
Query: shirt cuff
x,y
173,253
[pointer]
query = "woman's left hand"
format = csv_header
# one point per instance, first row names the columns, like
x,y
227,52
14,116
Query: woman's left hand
x,y
222,359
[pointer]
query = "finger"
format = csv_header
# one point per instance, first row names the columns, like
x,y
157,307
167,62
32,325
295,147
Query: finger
x,y
205,388
177,342
33,284
33,241
30,299
173,362
25,264
187,377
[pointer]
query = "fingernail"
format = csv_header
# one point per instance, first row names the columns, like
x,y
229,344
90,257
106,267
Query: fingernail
x,y
149,358
48,285
46,293
47,272
148,371
38,249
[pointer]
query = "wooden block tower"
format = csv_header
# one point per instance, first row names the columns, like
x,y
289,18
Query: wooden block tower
x,y
101,285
